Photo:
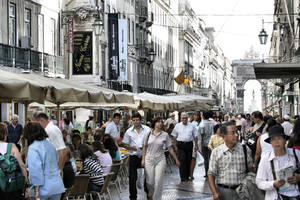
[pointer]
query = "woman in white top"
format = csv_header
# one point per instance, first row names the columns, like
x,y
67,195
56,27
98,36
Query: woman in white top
x,y
263,147
154,159
103,156
15,152
276,169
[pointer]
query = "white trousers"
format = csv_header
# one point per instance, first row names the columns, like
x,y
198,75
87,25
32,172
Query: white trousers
x,y
154,171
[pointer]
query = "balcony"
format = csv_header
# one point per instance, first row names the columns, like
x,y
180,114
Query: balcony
x,y
143,14
143,53
31,60
213,62
150,21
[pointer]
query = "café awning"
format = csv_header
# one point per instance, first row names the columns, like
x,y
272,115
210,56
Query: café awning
x,y
37,88
276,70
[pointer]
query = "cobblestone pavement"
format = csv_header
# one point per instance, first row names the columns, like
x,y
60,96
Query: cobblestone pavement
x,y
173,189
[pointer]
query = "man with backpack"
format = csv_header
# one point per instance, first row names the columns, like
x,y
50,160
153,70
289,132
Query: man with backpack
x,y
258,129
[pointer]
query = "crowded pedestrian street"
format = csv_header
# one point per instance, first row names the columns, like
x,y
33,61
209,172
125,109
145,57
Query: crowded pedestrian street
x,y
149,100
174,189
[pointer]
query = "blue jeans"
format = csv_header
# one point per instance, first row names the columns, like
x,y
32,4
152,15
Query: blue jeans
x,y
93,187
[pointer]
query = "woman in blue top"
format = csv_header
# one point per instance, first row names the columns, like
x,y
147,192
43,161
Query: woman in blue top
x,y
42,164
112,147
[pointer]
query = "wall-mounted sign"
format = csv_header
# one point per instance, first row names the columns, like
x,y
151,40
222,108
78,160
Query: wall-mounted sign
x,y
113,46
83,53
123,51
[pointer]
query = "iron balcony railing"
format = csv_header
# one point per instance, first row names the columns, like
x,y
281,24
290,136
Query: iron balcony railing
x,y
30,60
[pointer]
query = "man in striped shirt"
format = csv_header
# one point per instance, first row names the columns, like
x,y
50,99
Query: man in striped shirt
x,y
227,166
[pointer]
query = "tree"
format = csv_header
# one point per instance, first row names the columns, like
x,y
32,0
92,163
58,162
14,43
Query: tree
x,y
251,54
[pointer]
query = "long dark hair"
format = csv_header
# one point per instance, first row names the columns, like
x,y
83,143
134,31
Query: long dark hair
x,y
85,151
98,146
271,122
295,137
110,144
34,131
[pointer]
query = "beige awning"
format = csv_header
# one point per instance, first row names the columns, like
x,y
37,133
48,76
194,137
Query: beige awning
x,y
192,101
17,89
35,87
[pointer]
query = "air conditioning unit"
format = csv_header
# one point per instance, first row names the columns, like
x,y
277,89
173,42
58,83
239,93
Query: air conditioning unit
x,y
26,42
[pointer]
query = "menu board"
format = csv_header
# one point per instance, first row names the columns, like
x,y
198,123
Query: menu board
x,y
83,53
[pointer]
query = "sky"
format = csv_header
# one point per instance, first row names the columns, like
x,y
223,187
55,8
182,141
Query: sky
x,y
236,34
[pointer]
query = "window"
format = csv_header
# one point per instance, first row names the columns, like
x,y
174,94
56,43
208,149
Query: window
x,y
52,32
132,30
12,36
41,32
128,31
27,20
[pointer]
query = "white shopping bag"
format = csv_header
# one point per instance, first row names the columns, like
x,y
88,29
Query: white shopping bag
x,y
140,178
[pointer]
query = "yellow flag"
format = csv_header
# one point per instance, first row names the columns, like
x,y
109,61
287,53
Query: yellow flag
x,y
187,80
180,78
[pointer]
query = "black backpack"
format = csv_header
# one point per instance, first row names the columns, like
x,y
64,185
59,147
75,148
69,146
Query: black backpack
x,y
251,140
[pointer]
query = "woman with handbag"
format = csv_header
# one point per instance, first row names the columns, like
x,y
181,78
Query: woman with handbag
x,y
277,170
154,159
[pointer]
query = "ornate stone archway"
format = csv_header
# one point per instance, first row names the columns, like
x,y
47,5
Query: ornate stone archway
x,y
243,71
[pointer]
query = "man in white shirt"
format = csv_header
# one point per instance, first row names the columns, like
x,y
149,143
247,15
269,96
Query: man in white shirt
x,y
184,133
113,127
55,136
287,125
133,141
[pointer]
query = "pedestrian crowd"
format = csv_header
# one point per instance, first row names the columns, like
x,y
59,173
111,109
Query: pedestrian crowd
x,y
252,156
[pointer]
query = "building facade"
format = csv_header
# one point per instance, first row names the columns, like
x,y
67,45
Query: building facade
x,y
283,93
30,40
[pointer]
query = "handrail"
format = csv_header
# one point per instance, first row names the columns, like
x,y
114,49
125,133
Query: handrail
x,y
28,59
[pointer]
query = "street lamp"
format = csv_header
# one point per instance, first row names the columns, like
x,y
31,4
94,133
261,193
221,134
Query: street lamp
x,y
263,36
98,28
152,55
98,25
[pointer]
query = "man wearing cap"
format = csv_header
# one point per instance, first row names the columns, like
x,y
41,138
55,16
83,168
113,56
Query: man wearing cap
x,y
227,167
278,168
287,125
185,133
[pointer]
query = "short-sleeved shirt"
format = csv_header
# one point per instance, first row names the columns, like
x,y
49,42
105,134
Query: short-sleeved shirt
x,y
228,166
14,134
155,144
206,128
132,138
185,133
113,129
170,121
105,161
55,136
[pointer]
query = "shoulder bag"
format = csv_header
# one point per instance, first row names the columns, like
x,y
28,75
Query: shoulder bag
x,y
248,190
